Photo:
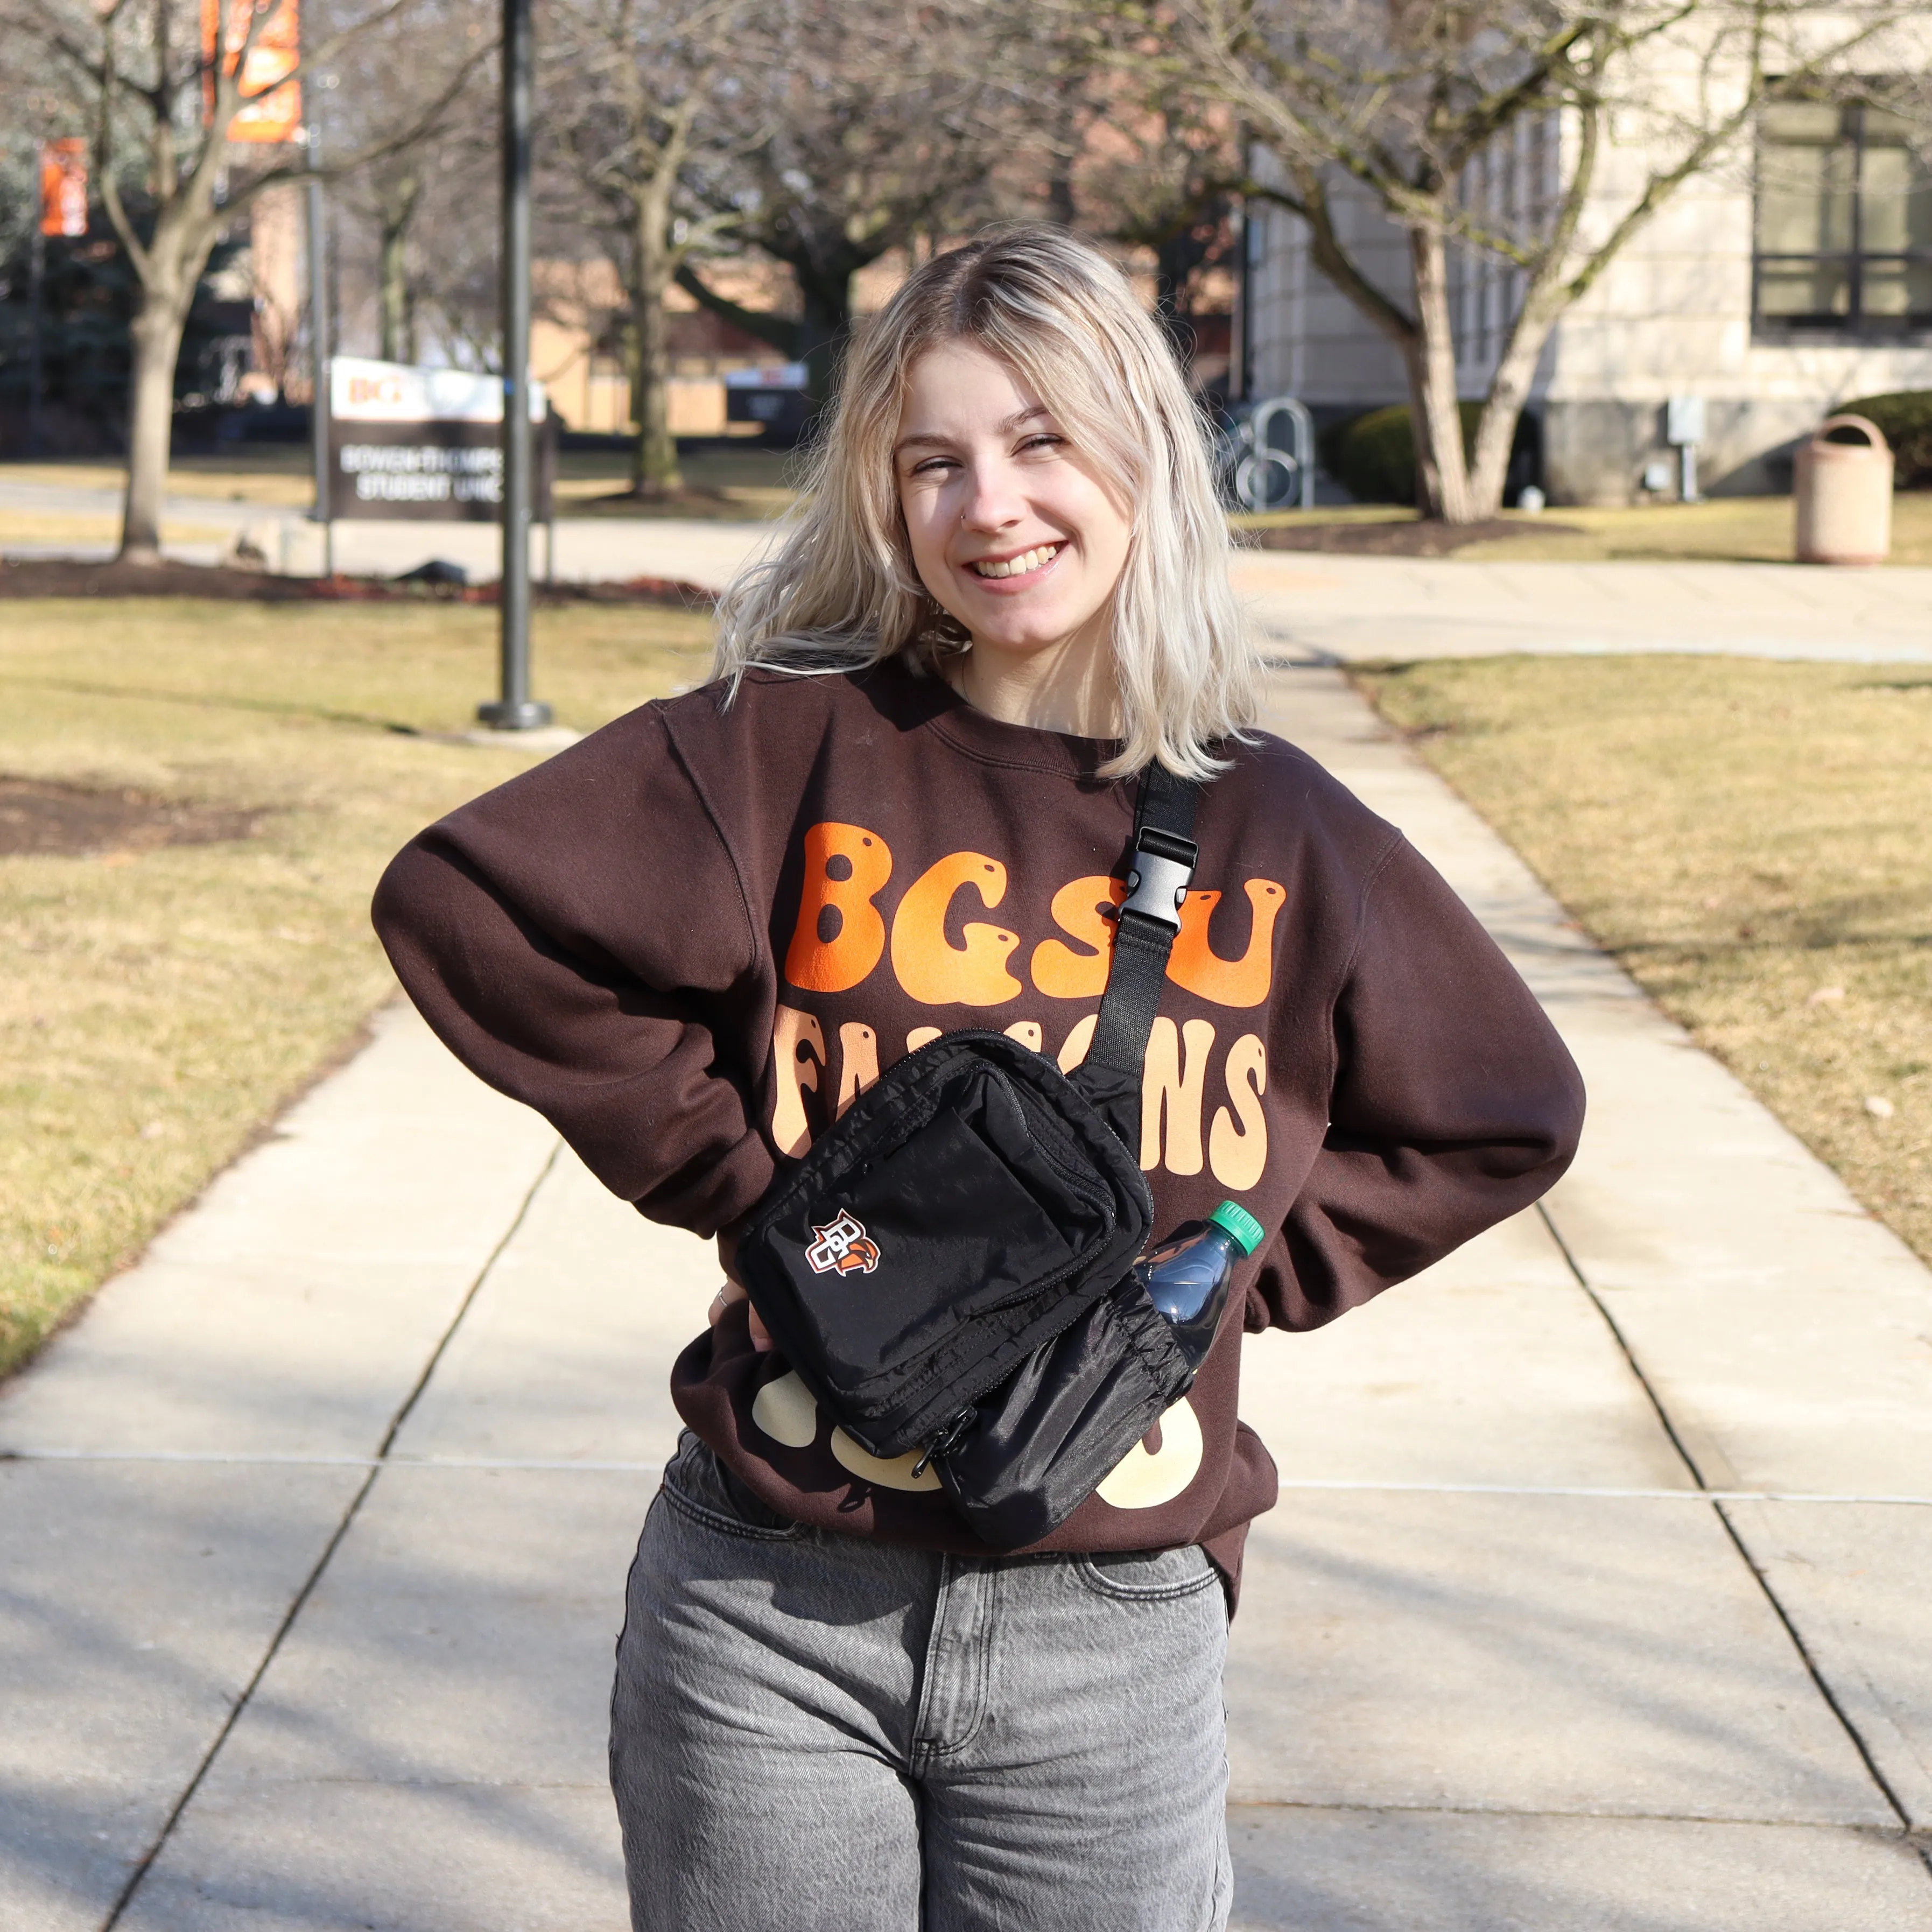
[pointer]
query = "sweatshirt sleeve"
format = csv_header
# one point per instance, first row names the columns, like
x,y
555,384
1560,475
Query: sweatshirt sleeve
x,y
1453,1104
579,938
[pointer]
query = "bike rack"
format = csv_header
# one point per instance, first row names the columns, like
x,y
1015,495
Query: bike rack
x,y
1256,437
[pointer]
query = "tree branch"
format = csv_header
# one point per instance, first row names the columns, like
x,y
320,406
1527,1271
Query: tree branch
x,y
419,130
781,331
1311,203
103,148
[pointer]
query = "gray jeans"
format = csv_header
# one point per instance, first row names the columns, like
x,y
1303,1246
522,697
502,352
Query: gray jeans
x,y
815,1733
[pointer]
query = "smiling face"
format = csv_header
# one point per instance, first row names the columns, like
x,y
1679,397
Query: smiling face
x,y
1011,531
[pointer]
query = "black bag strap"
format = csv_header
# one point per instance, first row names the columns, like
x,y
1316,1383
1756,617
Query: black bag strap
x,y
1162,865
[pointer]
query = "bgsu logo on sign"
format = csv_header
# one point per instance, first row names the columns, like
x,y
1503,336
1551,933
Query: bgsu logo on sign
x,y
844,1245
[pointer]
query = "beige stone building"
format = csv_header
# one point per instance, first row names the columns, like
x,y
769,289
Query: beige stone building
x,y
577,346
1792,275
576,343
277,283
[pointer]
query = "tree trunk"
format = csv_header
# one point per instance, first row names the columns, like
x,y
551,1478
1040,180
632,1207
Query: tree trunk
x,y
1495,433
654,470
398,326
1441,471
398,299
169,268
825,296
156,342
1061,209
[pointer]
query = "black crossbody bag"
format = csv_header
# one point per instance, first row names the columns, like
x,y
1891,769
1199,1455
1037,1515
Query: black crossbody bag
x,y
948,1269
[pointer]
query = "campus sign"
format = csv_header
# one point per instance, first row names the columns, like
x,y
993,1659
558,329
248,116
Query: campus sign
x,y
424,443
774,397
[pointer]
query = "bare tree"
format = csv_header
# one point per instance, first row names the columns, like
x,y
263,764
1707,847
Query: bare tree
x,y
447,188
874,120
1155,173
632,90
1400,101
444,183
440,277
152,88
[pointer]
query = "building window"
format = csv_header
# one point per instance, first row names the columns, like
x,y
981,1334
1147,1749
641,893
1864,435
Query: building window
x,y
1844,223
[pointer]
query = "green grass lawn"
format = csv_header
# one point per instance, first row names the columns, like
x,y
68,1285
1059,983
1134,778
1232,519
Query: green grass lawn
x,y
1750,840
1728,529
159,1005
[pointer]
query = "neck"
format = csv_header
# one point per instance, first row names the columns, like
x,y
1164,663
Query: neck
x,y
1067,687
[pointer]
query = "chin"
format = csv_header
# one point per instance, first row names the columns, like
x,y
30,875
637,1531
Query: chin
x,y
1036,631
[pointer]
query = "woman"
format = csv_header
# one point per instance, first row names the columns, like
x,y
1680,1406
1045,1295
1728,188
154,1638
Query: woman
x,y
901,808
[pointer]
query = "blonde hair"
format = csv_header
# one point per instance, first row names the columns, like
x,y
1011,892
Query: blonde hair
x,y
840,591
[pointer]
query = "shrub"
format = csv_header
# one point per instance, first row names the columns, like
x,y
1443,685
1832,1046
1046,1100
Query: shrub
x,y
1906,417
1373,457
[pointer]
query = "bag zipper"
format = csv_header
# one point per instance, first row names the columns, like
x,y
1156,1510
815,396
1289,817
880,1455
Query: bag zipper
x,y
947,1440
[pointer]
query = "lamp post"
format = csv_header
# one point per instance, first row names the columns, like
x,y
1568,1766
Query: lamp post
x,y
515,709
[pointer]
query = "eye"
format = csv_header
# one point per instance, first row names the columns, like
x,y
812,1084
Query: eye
x,y
1046,439
931,466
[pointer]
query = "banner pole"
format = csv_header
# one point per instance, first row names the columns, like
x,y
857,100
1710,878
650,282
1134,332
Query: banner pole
x,y
515,710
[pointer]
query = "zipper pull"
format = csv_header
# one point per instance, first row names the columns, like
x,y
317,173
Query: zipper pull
x,y
947,1440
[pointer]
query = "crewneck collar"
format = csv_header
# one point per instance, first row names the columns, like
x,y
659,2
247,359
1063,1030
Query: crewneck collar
x,y
928,703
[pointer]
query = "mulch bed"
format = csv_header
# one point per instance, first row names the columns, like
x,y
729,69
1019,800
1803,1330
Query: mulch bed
x,y
55,577
704,505
51,819
1420,538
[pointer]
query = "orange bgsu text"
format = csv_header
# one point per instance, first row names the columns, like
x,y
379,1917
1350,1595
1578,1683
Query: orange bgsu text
x,y
841,935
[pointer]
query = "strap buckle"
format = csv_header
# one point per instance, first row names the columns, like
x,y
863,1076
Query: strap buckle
x,y
1163,865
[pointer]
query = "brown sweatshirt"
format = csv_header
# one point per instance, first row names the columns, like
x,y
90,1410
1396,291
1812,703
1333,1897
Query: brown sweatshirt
x,y
689,940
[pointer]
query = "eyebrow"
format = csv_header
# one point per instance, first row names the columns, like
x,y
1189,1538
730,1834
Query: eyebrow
x,y
1012,422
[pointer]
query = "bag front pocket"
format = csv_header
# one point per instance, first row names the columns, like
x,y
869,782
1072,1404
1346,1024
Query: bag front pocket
x,y
955,1220
959,1232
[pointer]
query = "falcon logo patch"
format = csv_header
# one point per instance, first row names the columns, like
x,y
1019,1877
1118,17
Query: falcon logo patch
x,y
843,1246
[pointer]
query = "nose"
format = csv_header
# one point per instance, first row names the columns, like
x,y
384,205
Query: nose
x,y
993,500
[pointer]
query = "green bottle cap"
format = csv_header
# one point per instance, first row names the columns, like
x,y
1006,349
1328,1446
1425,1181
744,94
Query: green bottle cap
x,y
1240,1224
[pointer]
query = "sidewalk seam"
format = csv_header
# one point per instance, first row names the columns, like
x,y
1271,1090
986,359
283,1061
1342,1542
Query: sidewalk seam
x,y
138,1876
1771,1597
1885,1834
1289,1485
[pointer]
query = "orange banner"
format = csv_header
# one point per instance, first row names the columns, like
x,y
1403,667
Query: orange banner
x,y
63,186
271,108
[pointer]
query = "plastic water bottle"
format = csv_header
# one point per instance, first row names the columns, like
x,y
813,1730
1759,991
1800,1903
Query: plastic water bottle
x,y
1186,1277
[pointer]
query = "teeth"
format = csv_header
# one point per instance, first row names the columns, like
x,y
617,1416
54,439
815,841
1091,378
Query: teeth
x,y
1018,566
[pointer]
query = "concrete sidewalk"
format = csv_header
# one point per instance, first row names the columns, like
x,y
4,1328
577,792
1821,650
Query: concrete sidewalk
x,y
1595,1602
1314,608
589,549
1348,609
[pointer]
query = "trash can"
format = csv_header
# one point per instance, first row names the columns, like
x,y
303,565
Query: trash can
x,y
1843,495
